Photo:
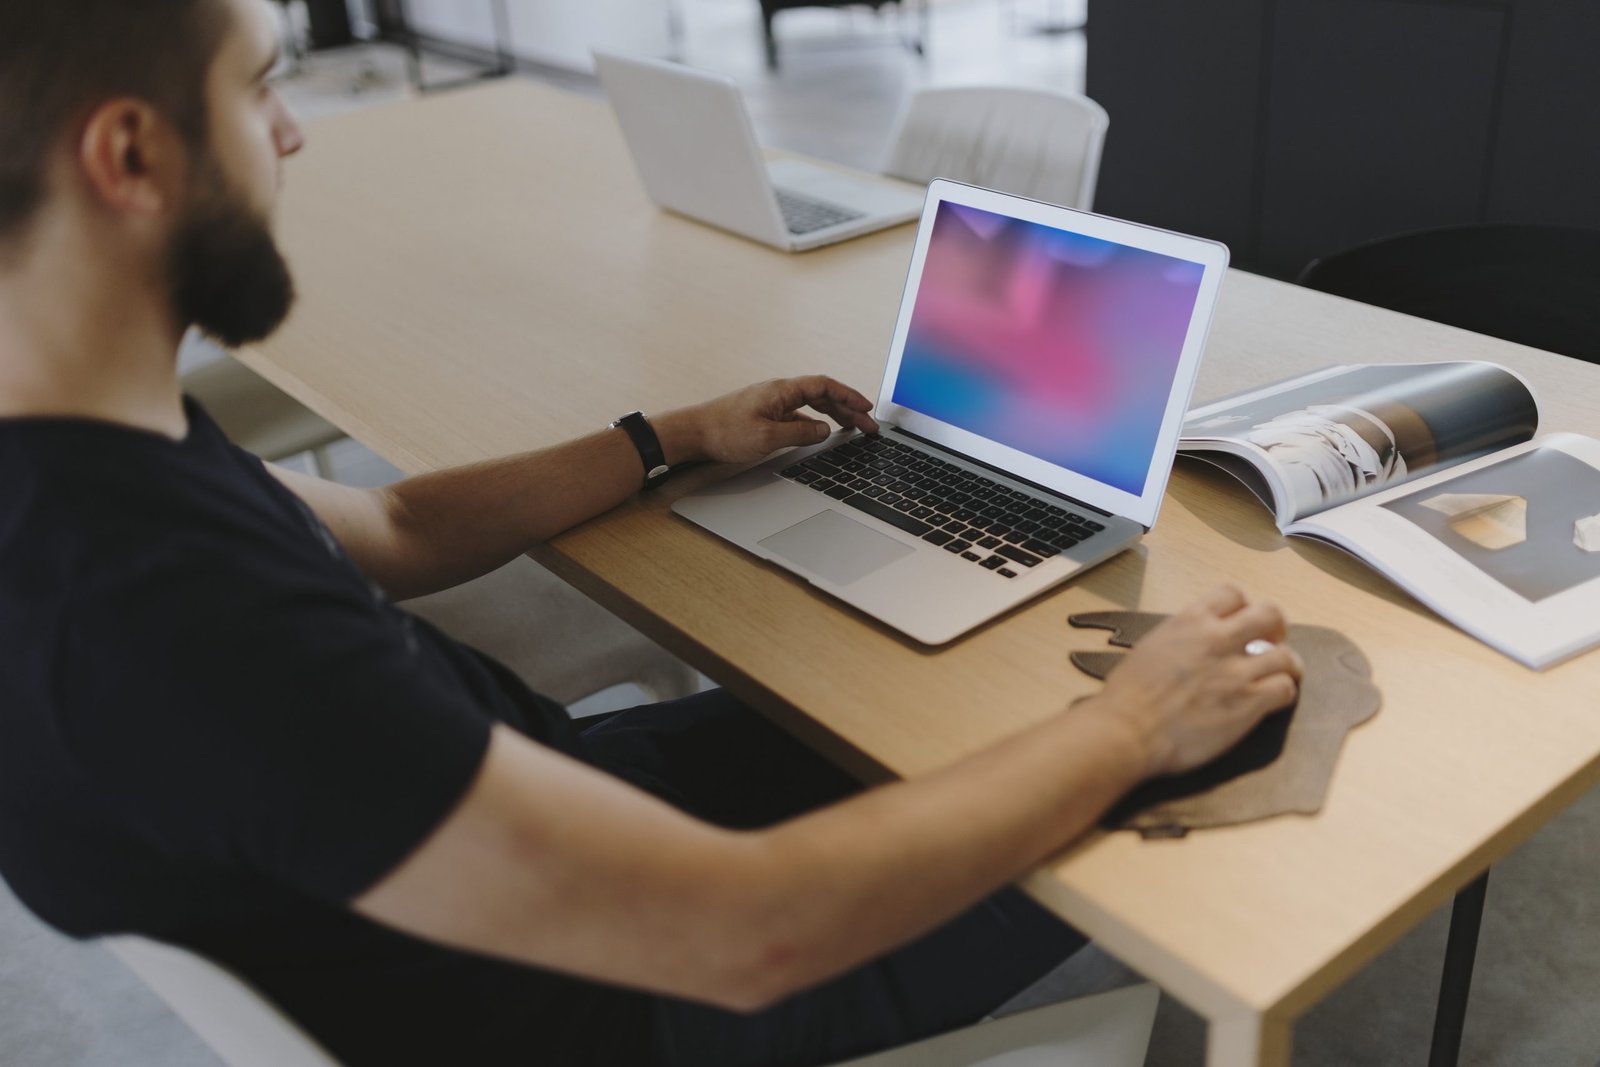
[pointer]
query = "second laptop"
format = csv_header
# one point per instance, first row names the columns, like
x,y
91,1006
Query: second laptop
x,y
697,155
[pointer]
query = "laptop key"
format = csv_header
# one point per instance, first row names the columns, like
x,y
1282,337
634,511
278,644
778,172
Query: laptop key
x,y
937,537
879,510
989,542
993,562
958,546
1006,572
839,492
1041,549
973,556
1016,555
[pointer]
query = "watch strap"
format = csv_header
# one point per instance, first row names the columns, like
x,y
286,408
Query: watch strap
x,y
644,438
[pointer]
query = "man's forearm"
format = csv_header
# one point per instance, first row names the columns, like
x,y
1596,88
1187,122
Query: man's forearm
x,y
454,525
437,530
877,871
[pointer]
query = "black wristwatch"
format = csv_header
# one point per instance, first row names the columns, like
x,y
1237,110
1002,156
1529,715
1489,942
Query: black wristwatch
x,y
644,438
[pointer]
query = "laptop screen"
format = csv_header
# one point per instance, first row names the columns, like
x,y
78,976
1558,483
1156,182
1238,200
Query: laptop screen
x,y
1057,344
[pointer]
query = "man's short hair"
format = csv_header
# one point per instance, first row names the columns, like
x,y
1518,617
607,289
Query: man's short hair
x,y
60,59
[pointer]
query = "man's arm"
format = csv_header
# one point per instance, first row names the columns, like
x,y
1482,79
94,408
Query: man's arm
x,y
438,530
549,862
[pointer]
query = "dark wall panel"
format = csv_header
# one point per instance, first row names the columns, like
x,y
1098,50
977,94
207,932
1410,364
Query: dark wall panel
x,y
1187,77
1379,121
1547,163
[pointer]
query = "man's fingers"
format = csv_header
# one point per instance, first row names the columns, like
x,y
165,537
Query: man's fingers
x,y
795,430
1253,622
1280,659
846,417
1222,600
1273,692
819,390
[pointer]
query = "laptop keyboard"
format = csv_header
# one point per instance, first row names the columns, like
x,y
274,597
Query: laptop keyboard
x,y
977,519
805,215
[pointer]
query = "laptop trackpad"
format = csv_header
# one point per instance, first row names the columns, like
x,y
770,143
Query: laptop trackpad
x,y
837,548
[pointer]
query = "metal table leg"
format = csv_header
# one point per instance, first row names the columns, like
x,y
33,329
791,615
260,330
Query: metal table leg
x,y
1456,982
505,59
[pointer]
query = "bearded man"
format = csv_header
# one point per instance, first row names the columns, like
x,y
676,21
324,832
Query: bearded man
x,y
219,730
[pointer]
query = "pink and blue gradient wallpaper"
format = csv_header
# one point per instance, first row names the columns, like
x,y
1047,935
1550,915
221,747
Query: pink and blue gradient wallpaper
x,y
1056,344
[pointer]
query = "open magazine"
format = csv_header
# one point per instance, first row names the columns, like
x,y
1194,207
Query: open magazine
x,y
1430,473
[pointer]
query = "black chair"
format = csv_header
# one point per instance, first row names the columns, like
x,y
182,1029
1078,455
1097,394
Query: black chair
x,y
770,9
1536,285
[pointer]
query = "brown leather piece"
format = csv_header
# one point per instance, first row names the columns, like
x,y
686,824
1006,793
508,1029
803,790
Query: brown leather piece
x,y
1284,765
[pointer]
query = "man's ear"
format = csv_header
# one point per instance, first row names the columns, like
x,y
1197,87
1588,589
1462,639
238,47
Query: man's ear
x,y
131,158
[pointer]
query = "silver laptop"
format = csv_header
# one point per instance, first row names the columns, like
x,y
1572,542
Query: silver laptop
x,y
1040,369
696,153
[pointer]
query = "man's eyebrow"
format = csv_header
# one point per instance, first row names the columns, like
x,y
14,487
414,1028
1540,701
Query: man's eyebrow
x,y
271,64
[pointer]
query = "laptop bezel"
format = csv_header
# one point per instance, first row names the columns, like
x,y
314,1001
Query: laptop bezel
x,y
1210,255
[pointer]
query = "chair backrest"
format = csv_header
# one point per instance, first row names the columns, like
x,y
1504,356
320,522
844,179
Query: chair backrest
x,y
1028,142
1536,285
241,1026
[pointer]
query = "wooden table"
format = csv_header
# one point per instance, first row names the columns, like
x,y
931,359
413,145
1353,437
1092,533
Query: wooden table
x,y
482,274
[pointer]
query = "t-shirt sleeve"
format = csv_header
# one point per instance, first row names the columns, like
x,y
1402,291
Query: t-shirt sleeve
x,y
270,719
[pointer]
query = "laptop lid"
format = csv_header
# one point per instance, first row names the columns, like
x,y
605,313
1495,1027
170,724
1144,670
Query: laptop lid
x,y
692,143
1057,345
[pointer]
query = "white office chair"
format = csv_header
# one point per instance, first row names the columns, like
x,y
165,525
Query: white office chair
x,y
1030,142
247,1030
255,414
556,639
241,1026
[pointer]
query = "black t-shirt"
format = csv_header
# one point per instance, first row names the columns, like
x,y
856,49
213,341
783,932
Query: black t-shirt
x,y
214,730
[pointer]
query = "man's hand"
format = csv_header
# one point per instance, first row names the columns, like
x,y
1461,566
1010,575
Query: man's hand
x,y
746,425
1189,691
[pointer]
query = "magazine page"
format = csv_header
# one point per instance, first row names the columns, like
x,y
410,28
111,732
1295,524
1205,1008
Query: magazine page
x,y
1506,547
1339,433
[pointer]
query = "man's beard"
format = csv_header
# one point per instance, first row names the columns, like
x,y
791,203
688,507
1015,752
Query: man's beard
x,y
228,277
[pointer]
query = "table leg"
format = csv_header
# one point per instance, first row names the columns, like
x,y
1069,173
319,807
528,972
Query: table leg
x,y
1249,1041
505,58
505,62
1456,982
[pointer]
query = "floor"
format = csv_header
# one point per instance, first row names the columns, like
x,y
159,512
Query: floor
x,y
842,79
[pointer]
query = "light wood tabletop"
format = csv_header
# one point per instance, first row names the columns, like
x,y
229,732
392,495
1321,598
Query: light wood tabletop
x,y
481,273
